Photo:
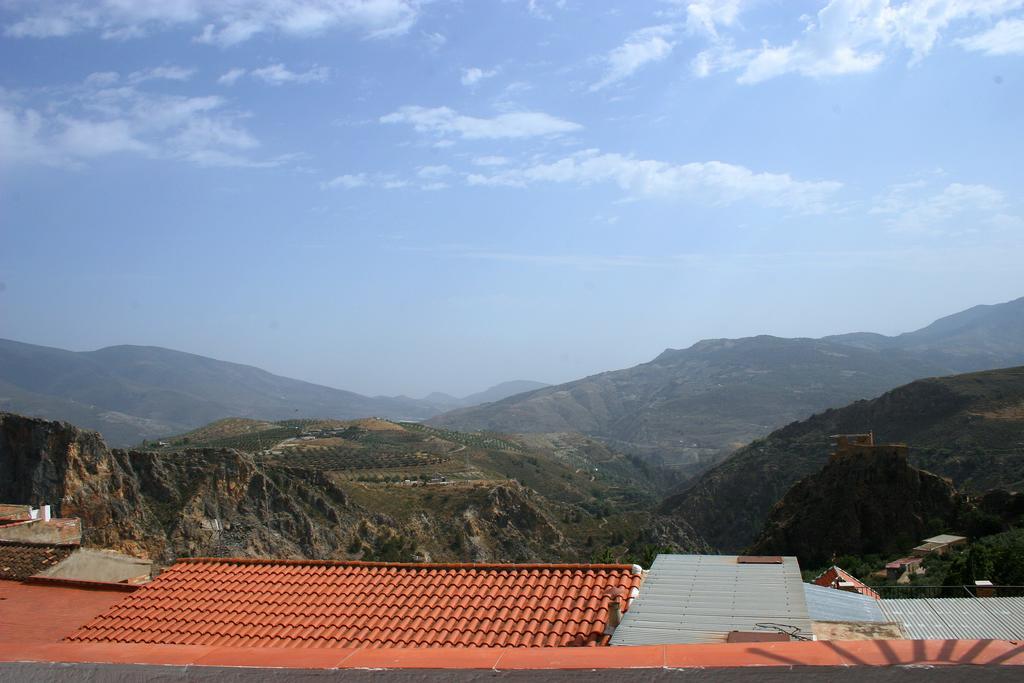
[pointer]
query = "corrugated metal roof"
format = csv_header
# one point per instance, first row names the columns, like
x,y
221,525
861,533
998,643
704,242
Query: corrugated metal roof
x,y
701,598
829,604
944,539
958,618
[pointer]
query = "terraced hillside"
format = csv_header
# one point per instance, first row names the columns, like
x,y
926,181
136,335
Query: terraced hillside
x,y
360,489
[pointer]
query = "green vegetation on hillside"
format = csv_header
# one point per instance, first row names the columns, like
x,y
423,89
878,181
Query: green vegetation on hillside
x,y
969,428
454,495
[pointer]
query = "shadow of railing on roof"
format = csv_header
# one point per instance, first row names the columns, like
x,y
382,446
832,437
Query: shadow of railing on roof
x,y
904,652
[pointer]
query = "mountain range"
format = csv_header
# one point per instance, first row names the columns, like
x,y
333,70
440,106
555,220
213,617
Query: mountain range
x,y
691,407
687,407
130,393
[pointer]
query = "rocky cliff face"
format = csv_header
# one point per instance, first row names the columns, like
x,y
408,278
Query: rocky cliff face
x,y
863,502
164,506
223,502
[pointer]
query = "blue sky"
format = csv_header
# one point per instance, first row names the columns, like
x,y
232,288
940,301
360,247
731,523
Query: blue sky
x,y
393,196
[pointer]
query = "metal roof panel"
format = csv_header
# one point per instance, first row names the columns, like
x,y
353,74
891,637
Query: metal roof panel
x,y
829,604
958,618
701,598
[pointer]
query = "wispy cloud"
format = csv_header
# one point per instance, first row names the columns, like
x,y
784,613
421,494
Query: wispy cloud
x,y
221,22
580,261
433,172
445,121
853,36
490,160
434,41
161,73
956,209
104,116
706,16
426,178
542,8
277,74
641,47
713,182
348,181
474,75
1005,38
231,76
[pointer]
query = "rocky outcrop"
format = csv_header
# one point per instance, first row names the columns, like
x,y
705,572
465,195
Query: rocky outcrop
x,y
221,502
162,506
965,427
870,501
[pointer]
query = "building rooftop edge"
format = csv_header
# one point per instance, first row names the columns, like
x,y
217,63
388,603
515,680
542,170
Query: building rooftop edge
x,y
401,565
725,655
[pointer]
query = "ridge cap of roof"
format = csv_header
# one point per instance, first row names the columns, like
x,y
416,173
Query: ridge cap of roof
x,y
82,583
401,565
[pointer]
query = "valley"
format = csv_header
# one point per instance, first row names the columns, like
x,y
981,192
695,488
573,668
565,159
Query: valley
x,y
682,453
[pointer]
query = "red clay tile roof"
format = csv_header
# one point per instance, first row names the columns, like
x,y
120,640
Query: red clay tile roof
x,y
22,560
282,603
833,576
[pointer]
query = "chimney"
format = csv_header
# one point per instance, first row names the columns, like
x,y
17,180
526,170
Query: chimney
x,y
984,589
614,614
615,596
46,513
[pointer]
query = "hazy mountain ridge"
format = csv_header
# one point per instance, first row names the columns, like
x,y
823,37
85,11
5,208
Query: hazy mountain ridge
x,y
966,427
694,405
129,393
978,338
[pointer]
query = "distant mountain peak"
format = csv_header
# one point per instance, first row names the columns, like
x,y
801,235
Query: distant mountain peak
x,y
692,406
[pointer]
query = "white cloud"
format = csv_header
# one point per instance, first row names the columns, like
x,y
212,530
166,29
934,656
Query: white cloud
x,y
100,117
851,36
705,16
445,121
490,160
101,79
231,76
957,208
431,172
20,133
713,182
349,181
166,73
539,8
474,75
224,22
98,138
642,47
427,178
435,41
279,74
1005,38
